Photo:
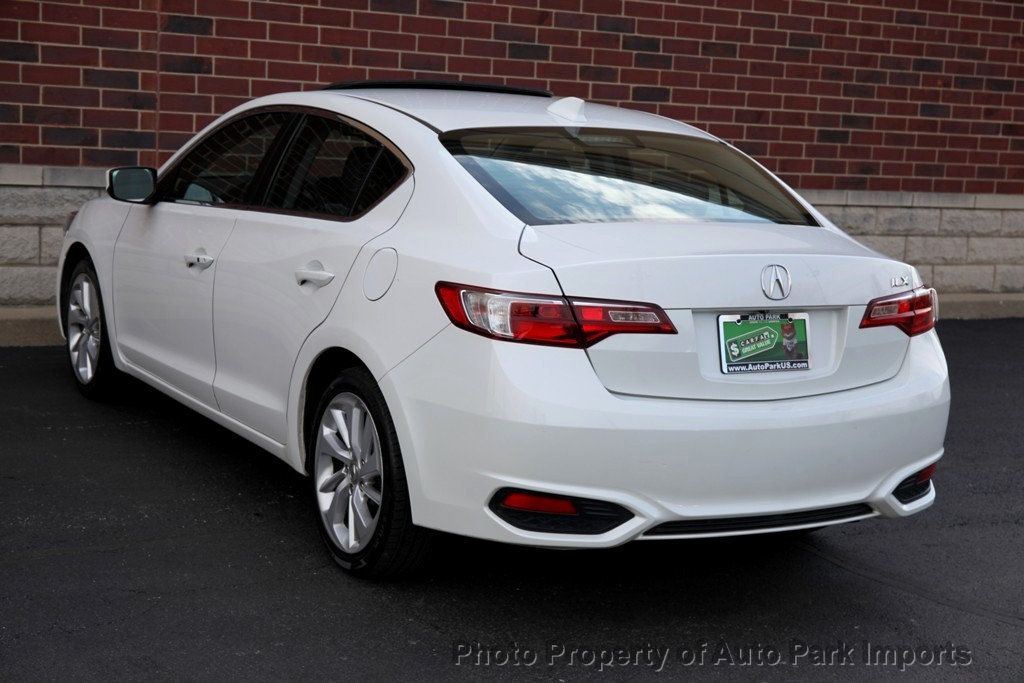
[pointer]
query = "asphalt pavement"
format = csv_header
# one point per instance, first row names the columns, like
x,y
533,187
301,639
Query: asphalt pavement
x,y
139,540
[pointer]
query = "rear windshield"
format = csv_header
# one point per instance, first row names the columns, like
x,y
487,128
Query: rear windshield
x,y
549,176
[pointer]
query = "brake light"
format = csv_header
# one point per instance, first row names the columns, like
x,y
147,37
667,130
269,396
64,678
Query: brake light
x,y
913,312
545,319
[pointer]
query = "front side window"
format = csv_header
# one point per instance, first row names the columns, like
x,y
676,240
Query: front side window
x,y
335,169
549,176
220,169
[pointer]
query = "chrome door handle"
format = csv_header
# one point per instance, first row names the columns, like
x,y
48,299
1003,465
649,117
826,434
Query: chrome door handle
x,y
198,261
313,274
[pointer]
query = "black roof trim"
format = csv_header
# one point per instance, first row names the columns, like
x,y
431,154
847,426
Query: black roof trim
x,y
440,85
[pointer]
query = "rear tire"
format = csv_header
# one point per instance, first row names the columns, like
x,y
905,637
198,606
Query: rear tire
x,y
358,484
85,328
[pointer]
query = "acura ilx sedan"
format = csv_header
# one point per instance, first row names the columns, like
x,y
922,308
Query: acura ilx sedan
x,y
489,311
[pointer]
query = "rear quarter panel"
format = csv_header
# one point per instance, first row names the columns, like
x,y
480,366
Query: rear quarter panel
x,y
451,230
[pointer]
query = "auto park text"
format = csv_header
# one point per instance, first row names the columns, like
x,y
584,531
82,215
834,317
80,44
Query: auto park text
x,y
659,657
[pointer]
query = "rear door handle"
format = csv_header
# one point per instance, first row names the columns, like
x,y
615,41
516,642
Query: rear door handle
x,y
313,274
199,261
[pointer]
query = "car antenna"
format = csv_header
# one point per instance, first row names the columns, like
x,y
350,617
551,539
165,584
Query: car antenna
x,y
568,108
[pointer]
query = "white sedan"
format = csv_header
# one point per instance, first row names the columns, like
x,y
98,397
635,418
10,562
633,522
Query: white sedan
x,y
492,312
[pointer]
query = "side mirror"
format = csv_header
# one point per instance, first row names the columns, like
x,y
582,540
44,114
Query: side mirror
x,y
131,183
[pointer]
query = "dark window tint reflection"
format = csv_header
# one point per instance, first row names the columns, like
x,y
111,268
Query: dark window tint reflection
x,y
221,167
335,169
560,175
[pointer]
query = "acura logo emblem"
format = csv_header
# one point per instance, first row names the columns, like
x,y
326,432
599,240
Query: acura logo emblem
x,y
776,282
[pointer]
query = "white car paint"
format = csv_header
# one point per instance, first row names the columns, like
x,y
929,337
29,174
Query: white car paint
x,y
163,306
646,263
560,431
261,314
645,421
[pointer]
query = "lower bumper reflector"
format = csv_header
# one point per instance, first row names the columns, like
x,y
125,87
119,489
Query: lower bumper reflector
x,y
916,486
546,513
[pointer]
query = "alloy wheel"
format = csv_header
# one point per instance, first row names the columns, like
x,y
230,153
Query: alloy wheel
x,y
84,328
349,476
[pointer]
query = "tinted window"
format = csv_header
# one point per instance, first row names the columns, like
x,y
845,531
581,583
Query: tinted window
x,y
572,175
333,168
386,173
220,168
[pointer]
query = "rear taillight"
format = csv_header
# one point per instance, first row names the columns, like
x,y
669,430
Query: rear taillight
x,y
546,319
913,312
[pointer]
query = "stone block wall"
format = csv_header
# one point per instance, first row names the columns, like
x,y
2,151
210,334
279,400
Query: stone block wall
x,y
34,206
961,243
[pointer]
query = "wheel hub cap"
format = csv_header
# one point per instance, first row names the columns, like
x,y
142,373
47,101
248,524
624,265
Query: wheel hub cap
x,y
84,333
349,477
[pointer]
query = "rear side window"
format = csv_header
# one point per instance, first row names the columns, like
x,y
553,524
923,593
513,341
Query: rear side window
x,y
335,169
585,175
220,169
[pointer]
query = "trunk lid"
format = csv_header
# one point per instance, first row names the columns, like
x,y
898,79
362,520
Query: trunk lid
x,y
697,272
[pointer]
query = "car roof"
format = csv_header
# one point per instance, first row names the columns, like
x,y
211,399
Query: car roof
x,y
445,110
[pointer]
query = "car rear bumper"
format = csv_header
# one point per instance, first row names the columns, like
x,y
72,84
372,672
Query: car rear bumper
x,y
475,416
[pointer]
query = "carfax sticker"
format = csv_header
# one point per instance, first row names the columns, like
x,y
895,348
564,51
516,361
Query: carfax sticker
x,y
764,342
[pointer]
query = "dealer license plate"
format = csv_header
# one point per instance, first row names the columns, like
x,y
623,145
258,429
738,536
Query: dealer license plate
x,y
764,342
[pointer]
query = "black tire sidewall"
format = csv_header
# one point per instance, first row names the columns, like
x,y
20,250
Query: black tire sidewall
x,y
359,382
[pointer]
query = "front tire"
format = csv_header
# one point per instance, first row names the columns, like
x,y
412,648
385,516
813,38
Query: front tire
x,y
86,331
358,481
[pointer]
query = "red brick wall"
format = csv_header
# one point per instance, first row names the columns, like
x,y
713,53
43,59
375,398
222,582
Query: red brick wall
x,y
858,94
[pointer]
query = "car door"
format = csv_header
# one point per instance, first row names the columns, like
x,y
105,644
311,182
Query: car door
x,y
166,254
338,185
